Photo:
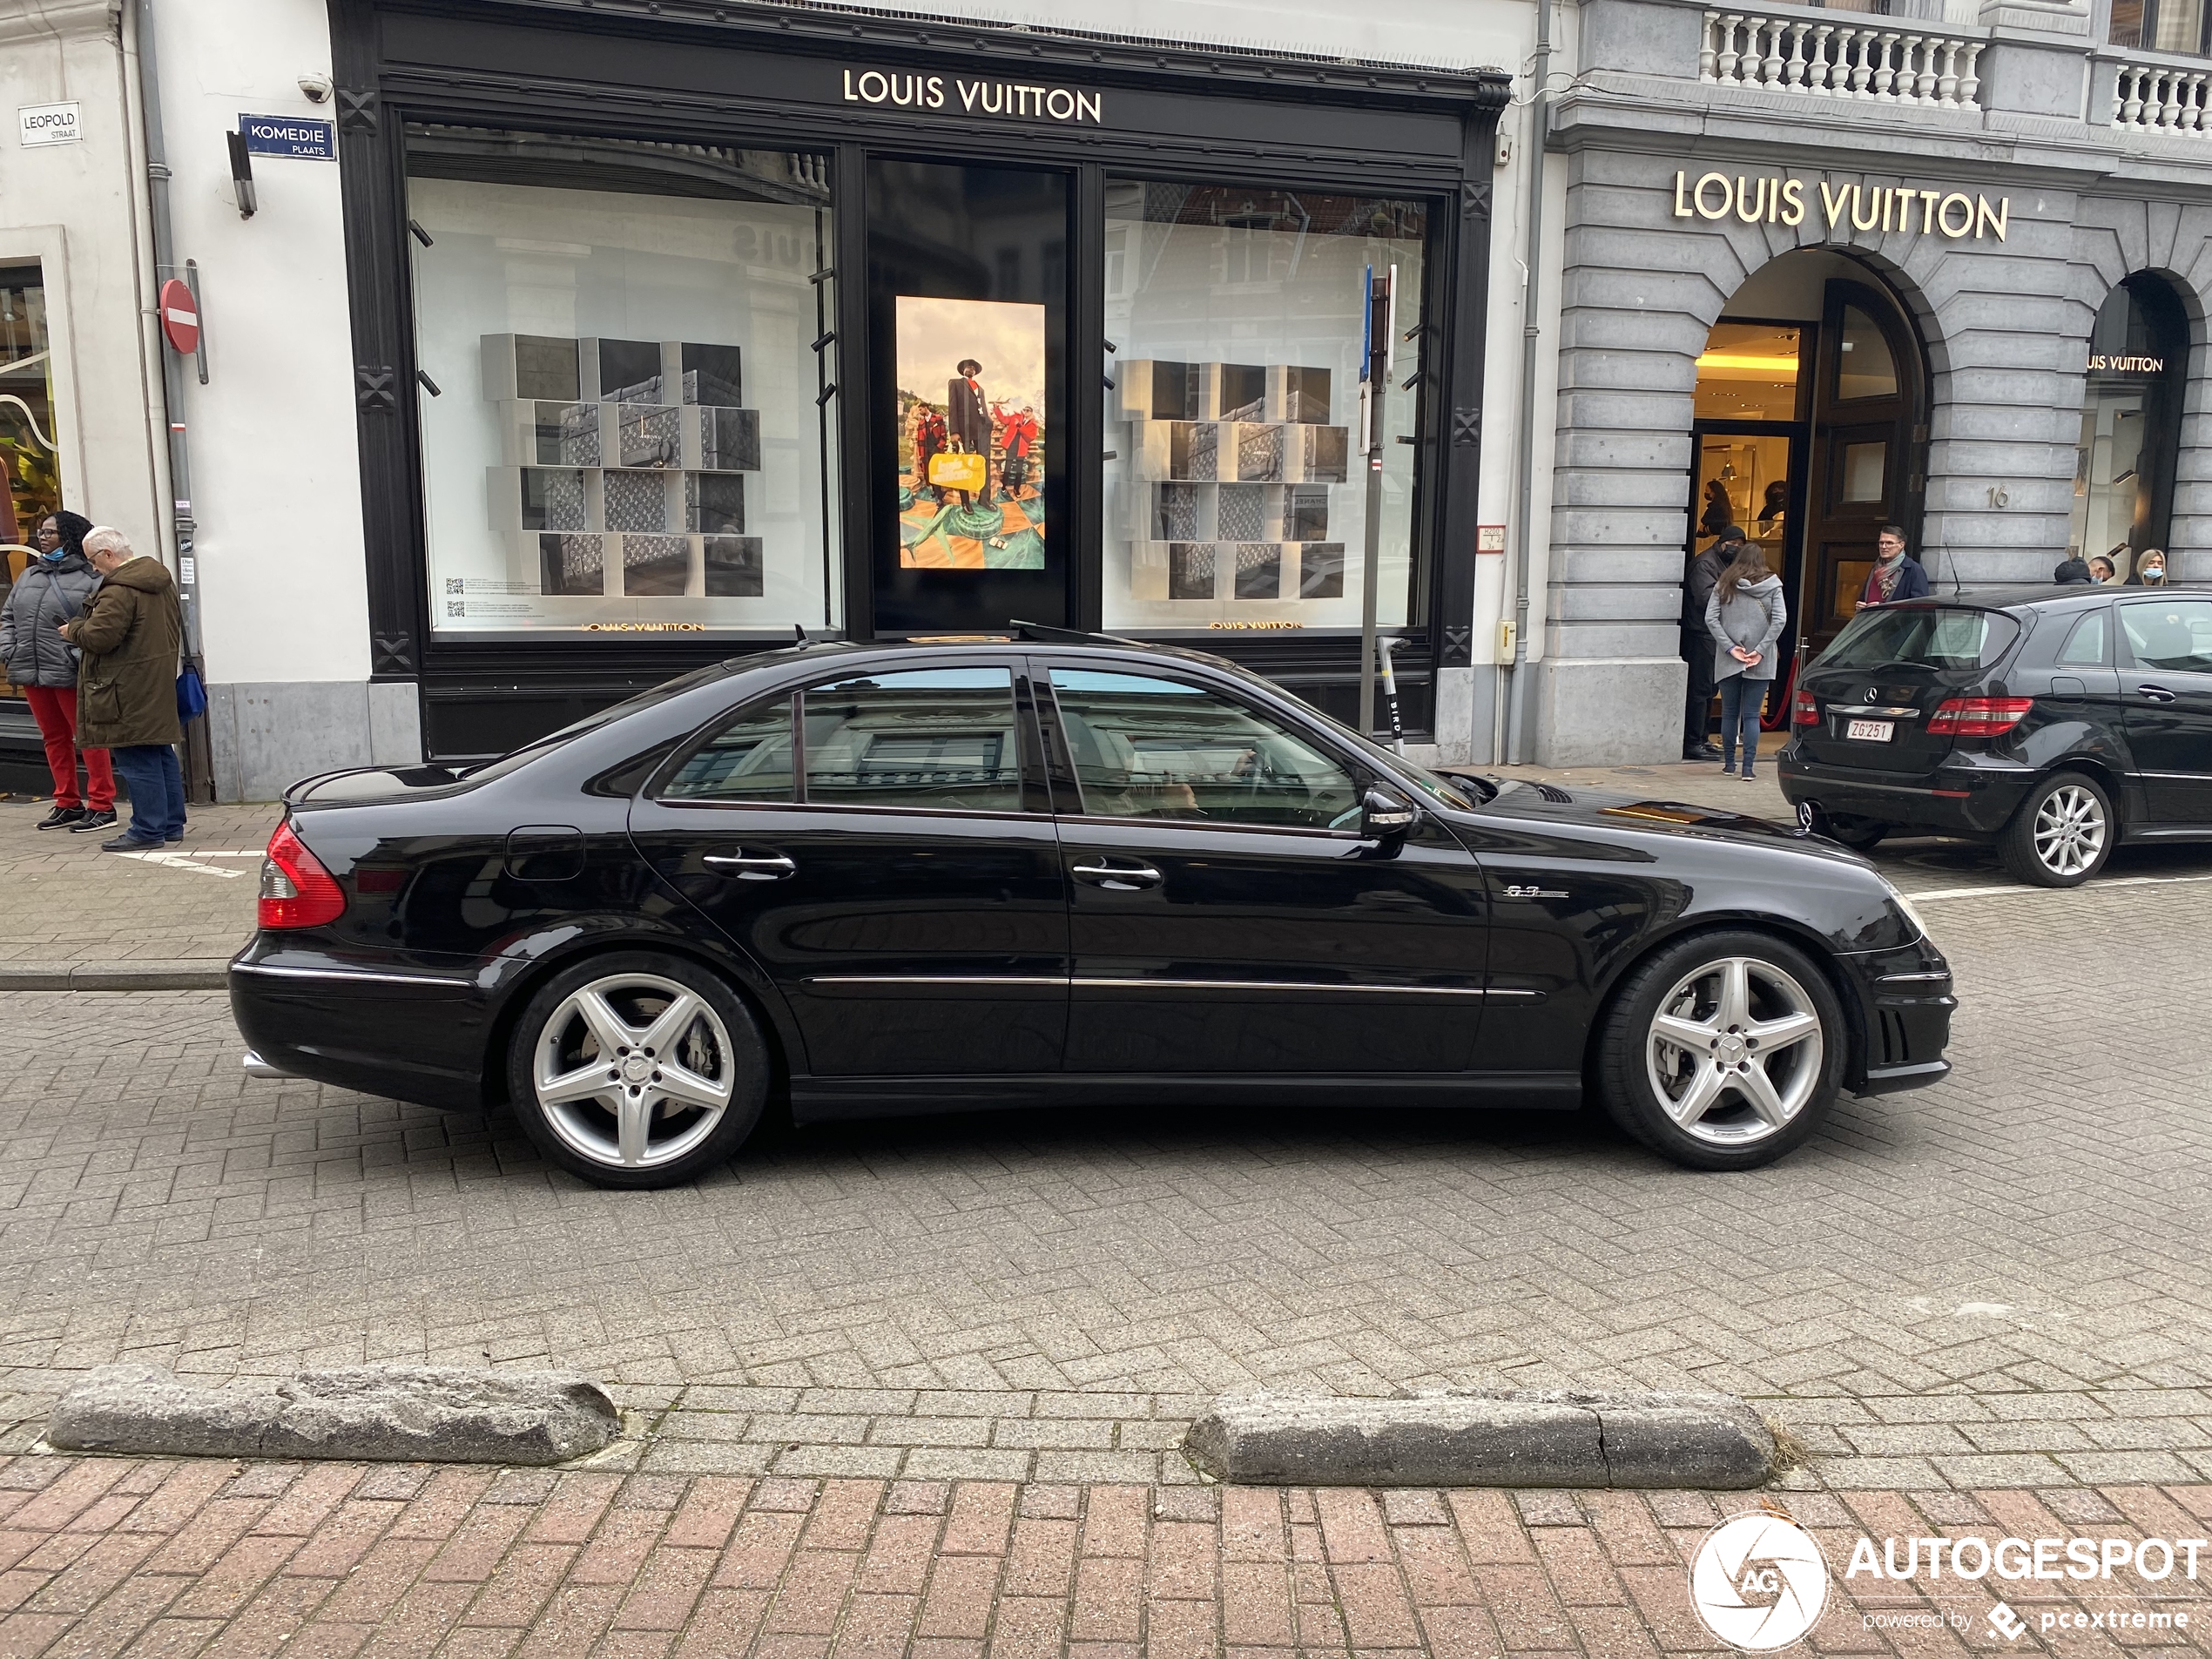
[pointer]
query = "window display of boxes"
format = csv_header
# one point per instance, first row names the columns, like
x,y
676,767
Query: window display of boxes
x,y
1233,462
623,464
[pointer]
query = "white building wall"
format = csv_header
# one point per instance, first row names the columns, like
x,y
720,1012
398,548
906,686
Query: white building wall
x,y
71,209
276,483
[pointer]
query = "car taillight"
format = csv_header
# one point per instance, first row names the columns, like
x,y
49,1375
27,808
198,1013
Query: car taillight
x,y
1808,711
296,891
1978,717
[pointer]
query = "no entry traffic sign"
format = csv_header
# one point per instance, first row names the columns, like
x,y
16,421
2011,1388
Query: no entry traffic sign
x,y
179,317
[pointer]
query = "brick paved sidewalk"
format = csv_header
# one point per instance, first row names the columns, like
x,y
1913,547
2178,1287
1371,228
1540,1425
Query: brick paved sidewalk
x,y
113,1556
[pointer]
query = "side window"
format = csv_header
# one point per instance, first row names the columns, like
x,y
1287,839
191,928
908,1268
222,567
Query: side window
x,y
940,738
2090,644
1157,748
749,758
2174,634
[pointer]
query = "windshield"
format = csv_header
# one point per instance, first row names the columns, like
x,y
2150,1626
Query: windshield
x,y
1939,637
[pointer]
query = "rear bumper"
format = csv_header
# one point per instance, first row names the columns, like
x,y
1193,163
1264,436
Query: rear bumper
x,y
1972,800
407,1031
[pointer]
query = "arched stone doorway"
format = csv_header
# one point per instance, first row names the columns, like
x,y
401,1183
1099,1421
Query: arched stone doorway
x,y
1810,430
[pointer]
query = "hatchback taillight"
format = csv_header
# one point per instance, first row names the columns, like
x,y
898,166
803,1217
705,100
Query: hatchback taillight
x,y
1978,717
296,891
1808,711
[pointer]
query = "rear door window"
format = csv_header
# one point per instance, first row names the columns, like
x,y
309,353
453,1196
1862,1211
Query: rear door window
x,y
1943,637
748,757
2172,634
933,739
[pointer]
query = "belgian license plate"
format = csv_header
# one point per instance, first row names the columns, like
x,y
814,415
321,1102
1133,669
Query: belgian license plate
x,y
1871,730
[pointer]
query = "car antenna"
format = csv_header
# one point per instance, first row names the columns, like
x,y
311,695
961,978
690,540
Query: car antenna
x,y
799,628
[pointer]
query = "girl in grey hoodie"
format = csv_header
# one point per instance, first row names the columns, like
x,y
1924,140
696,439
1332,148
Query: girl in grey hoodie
x,y
1745,616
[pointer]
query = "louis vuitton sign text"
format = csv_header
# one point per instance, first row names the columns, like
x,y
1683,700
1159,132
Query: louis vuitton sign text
x,y
952,93
1900,208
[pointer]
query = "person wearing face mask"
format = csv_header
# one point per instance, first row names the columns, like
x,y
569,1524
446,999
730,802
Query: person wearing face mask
x,y
2150,570
33,654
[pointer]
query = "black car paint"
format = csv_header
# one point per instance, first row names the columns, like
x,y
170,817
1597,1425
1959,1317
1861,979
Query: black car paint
x,y
2086,719
463,896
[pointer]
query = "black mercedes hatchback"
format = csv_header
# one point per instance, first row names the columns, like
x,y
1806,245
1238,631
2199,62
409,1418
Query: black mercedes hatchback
x,y
847,879
2054,722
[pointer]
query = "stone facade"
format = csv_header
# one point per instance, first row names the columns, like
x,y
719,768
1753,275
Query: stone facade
x,y
2005,322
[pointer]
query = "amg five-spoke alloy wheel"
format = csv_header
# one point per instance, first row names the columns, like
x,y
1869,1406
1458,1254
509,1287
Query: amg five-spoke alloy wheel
x,y
2061,834
1722,1052
637,1070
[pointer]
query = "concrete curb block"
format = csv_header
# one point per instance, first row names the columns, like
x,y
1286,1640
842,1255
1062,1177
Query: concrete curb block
x,y
1713,1441
375,1413
185,976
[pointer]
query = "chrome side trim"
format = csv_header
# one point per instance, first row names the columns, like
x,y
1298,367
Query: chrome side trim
x,y
1912,979
2180,777
1294,985
370,975
938,979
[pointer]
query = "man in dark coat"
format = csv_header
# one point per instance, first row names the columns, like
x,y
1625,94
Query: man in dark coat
x,y
131,635
1698,645
1896,574
2074,572
967,417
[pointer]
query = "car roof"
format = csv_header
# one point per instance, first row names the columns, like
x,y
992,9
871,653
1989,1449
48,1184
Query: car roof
x,y
2045,596
1023,638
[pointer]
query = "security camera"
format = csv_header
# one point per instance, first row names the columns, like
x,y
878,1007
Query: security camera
x,y
317,87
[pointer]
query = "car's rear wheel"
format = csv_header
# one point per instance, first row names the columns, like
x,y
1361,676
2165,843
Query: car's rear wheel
x,y
637,1070
2062,834
1722,1052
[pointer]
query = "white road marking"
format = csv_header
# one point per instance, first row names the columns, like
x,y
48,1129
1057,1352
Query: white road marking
x,y
2096,885
183,861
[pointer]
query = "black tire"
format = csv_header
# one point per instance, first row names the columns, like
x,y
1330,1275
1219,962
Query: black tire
x,y
1636,1086
1858,835
2062,834
674,1136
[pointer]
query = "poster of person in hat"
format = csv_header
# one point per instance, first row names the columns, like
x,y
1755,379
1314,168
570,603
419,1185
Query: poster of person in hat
x,y
977,503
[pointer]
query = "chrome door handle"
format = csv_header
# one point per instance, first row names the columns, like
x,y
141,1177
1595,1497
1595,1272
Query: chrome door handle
x,y
773,866
2157,693
1122,877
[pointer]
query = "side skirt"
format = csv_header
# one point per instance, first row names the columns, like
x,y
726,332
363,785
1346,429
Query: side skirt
x,y
820,1099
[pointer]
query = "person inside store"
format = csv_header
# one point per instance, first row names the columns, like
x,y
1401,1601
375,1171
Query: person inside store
x,y
2150,570
1777,507
2072,572
2100,570
967,419
1744,617
1896,574
1697,642
131,637
1720,512
52,590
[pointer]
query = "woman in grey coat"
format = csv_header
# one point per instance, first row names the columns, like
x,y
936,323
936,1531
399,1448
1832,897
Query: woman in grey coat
x,y
1745,616
51,591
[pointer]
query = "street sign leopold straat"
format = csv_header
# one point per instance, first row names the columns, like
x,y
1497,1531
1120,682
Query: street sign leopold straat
x,y
179,317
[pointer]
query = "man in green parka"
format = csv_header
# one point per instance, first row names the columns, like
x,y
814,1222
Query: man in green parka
x,y
131,635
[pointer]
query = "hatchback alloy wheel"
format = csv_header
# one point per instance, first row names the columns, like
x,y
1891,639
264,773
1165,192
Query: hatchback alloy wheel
x,y
2062,834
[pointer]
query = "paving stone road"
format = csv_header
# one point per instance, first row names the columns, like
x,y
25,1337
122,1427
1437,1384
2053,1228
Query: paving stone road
x,y
113,1556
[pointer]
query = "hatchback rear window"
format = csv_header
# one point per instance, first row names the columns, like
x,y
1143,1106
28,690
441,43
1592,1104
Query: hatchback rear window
x,y
1940,636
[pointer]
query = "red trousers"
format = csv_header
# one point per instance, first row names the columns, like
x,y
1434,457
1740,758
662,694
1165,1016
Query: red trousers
x,y
55,709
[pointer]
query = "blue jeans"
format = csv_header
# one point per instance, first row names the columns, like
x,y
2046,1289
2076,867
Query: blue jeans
x,y
150,771
1742,697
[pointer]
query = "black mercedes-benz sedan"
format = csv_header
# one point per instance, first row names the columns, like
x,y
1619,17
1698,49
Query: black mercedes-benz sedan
x,y
856,880
2056,723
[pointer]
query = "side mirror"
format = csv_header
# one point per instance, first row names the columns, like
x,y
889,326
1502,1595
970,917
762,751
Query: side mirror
x,y
1385,812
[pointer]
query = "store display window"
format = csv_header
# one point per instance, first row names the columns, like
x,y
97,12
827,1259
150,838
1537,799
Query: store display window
x,y
2131,409
625,361
29,451
1235,482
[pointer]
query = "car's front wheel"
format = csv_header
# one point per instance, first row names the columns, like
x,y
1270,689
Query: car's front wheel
x,y
1723,1051
637,1070
2062,834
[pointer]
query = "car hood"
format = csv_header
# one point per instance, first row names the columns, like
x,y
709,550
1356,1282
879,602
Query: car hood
x,y
1599,809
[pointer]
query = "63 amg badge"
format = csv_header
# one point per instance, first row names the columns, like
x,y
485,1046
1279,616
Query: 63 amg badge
x,y
1759,1582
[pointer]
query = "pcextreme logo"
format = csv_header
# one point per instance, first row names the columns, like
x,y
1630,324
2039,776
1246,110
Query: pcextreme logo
x,y
1759,1582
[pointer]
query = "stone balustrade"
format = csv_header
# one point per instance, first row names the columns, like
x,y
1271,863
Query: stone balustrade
x,y
1884,60
2152,97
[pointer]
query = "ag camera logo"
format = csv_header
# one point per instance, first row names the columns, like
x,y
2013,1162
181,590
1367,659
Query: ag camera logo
x,y
1759,1582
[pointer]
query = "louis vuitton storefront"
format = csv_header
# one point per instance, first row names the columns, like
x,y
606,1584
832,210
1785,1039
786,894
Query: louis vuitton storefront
x,y
680,326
